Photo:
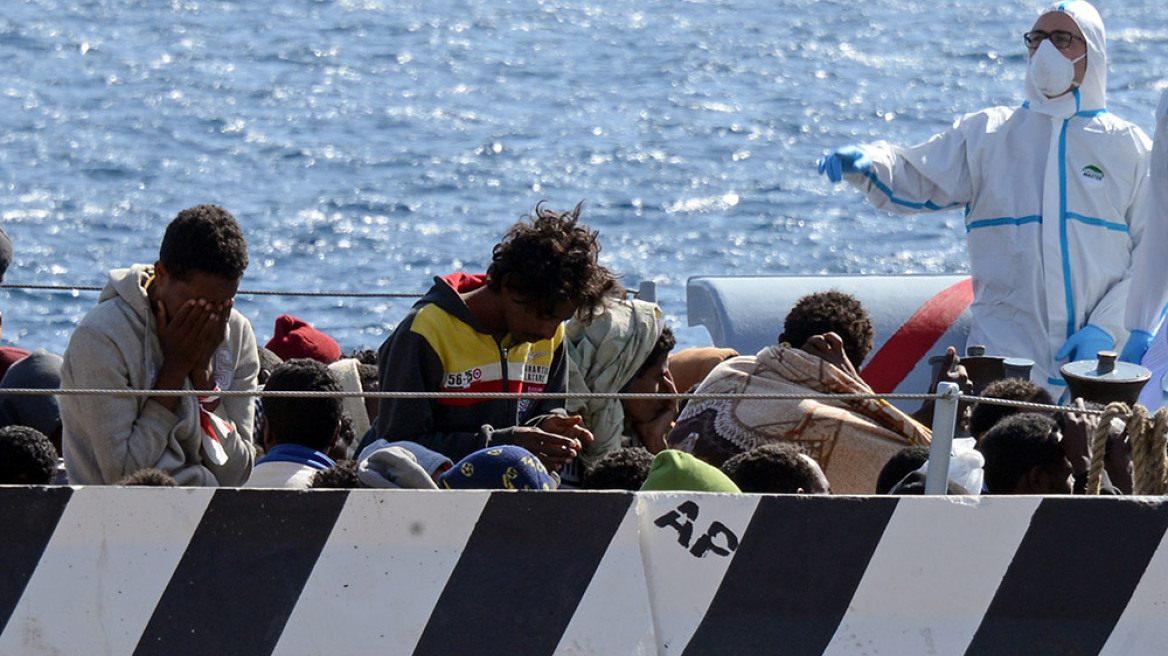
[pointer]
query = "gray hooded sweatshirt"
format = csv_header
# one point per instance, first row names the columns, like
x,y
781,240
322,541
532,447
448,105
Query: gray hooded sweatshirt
x,y
116,347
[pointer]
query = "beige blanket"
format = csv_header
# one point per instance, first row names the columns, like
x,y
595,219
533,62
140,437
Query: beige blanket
x,y
851,439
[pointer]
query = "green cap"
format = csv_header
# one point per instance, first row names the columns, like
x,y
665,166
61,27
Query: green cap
x,y
678,471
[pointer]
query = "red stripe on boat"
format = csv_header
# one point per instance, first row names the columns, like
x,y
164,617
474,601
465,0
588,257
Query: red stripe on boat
x,y
893,362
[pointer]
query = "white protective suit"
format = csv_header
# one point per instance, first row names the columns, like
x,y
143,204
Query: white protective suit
x,y
1052,193
1149,290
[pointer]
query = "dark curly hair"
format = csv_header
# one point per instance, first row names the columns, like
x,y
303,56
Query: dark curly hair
x,y
206,239
343,475
27,457
665,343
983,416
548,259
149,477
364,356
774,468
310,422
901,464
831,311
1015,445
623,469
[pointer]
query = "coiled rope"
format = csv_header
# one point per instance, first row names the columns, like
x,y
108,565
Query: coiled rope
x,y
1148,436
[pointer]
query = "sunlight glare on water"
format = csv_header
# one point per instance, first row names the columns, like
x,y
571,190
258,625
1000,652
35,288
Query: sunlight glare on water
x,y
369,145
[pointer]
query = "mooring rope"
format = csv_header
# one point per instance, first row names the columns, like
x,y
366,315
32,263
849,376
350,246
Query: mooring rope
x,y
1148,437
1099,443
1149,456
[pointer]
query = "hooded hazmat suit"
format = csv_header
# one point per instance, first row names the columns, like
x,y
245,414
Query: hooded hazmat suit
x,y
1149,290
1052,193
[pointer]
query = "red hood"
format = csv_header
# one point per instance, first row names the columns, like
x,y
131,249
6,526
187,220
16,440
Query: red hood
x,y
465,282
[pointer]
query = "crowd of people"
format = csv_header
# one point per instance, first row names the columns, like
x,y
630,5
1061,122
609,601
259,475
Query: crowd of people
x,y
545,321
1062,205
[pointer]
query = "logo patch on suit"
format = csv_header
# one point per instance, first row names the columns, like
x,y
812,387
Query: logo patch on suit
x,y
1093,175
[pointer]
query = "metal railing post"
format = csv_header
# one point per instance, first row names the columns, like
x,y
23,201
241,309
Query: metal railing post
x,y
647,291
944,426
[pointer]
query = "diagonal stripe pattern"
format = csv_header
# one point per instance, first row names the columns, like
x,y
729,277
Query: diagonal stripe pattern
x,y
1071,577
500,595
242,573
785,593
201,571
29,515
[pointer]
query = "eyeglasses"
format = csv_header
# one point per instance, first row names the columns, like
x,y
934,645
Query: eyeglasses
x,y
1060,39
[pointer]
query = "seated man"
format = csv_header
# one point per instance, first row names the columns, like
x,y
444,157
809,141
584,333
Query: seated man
x,y
985,415
40,370
851,439
297,432
776,468
901,464
626,350
623,469
27,457
170,326
1024,454
502,331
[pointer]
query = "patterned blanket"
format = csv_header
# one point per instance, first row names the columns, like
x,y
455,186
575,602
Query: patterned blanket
x,y
850,438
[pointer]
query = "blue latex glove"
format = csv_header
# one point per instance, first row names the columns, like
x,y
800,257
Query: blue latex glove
x,y
849,159
1137,345
1085,344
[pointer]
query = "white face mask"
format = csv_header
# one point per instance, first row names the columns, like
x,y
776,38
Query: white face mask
x,y
1052,73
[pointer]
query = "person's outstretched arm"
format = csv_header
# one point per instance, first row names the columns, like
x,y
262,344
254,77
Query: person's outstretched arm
x,y
928,177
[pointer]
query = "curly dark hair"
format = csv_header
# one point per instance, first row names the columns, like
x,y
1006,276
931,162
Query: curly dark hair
x,y
831,311
206,239
310,422
149,477
901,464
343,475
364,356
665,343
983,416
548,259
27,457
775,468
1015,445
268,363
623,469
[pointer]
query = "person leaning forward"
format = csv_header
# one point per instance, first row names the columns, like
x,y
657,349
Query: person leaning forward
x,y
502,331
170,326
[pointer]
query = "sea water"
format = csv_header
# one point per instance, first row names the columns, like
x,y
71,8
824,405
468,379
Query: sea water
x,y
369,145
